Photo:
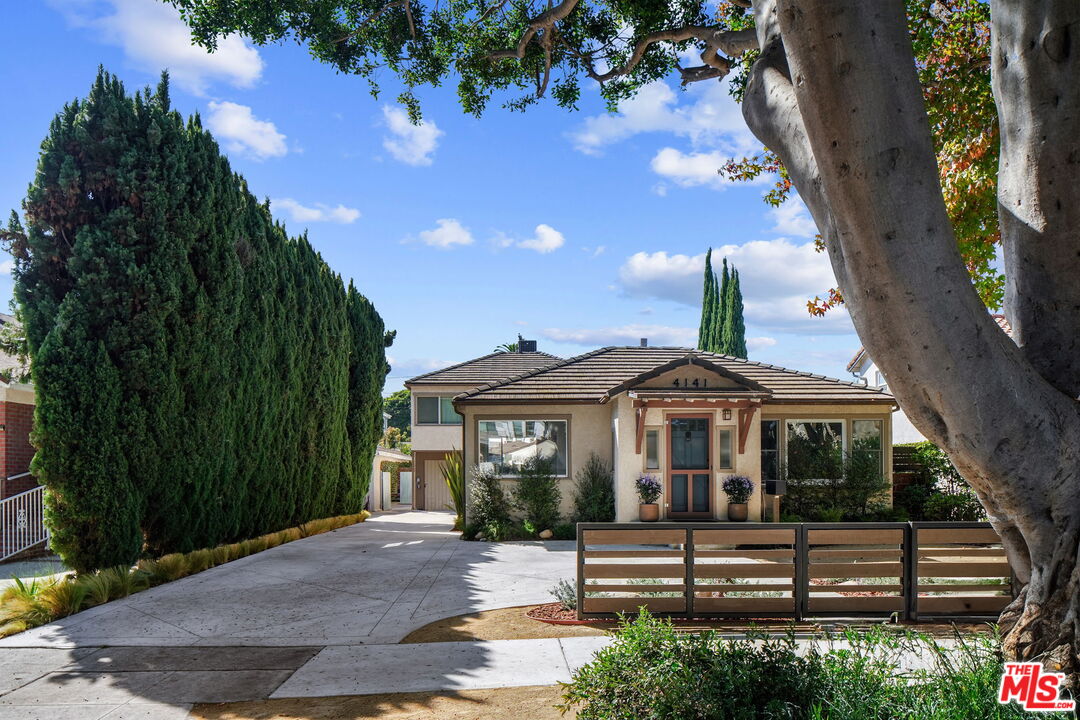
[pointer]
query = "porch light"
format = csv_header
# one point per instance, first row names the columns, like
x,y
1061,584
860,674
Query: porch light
x,y
727,413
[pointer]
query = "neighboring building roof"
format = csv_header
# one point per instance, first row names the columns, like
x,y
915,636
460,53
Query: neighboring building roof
x,y
486,369
596,376
856,361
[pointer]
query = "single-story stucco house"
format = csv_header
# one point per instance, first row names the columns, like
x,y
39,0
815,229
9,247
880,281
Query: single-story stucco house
x,y
688,417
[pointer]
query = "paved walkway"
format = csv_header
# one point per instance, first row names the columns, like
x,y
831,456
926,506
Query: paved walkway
x,y
320,616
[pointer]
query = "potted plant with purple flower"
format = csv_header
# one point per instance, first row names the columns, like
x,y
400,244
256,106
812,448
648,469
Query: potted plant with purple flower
x,y
738,489
648,490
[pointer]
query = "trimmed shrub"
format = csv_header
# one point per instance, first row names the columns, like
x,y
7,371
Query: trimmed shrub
x,y
594,497
201,376
489,507
537,495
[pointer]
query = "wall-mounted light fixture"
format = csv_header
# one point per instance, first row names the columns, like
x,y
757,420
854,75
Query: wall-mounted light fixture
x,y
727,413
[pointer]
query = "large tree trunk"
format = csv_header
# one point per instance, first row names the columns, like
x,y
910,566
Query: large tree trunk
x,y
836,95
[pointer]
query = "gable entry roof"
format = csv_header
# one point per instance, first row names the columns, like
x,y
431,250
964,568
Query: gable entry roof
x,y
597,376
487,369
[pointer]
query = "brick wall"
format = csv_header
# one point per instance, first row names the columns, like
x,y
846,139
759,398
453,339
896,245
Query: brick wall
x,y
16,451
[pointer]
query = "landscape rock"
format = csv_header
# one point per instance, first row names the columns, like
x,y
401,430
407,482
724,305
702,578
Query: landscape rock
x,y
546,535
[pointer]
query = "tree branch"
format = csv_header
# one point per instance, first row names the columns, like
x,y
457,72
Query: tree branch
x,y
544,21
732,43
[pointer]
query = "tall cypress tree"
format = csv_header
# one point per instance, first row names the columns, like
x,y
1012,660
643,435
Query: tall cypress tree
x,y
722,310
734,335
201,377
708,297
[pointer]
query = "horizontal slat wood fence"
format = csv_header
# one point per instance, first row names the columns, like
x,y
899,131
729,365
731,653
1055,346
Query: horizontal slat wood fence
x,y
792,570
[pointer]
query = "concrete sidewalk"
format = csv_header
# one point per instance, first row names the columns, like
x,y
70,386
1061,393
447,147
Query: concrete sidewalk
x,y
143,682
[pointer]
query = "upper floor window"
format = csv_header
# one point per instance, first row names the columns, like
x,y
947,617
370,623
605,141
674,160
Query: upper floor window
x,y
431,410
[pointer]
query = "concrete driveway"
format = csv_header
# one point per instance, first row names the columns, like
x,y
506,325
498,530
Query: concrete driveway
x,y
368,583
314,617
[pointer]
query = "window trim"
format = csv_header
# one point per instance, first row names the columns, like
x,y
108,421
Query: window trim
x,y
525,417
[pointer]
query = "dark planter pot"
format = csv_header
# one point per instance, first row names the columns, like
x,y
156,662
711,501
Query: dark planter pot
x,y
649,512
737,512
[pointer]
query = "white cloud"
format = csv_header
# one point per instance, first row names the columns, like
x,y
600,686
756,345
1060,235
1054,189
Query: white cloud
x,y
792,218
777,277
546,239
153,37
449,233
411,144
711,117
7,266
238,128
625,335
691,169
759,343
319,213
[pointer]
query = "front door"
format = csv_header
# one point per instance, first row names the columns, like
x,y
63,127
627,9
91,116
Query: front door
x,y
689,466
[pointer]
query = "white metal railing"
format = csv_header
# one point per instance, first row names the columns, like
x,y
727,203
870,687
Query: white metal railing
x,y
22,521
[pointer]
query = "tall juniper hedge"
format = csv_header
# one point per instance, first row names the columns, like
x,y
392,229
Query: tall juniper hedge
x,y
201,376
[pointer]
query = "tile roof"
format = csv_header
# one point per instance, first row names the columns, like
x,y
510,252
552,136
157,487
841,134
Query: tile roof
x,y
1000,319
594,376
487,369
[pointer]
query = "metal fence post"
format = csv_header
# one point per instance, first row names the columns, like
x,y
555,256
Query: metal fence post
x,y
802,572
688,576
910,581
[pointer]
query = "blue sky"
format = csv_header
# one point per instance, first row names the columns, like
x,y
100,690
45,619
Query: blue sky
x,y
577,229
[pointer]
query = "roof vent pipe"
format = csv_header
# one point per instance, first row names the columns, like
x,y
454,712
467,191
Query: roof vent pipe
x,y
644,342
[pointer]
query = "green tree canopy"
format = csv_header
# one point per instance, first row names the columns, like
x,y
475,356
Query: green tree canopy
x,y
399,406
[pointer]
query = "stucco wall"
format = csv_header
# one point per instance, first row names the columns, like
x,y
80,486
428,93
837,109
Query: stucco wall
x,y
632,464
589,432
438,438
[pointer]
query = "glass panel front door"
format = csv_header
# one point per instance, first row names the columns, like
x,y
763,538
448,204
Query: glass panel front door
x,y
690,467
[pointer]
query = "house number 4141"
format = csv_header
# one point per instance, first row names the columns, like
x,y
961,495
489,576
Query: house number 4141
x,y
690,383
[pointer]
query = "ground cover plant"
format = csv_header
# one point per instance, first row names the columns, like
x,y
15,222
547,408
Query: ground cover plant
x,y
28,604
653,671
200,375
